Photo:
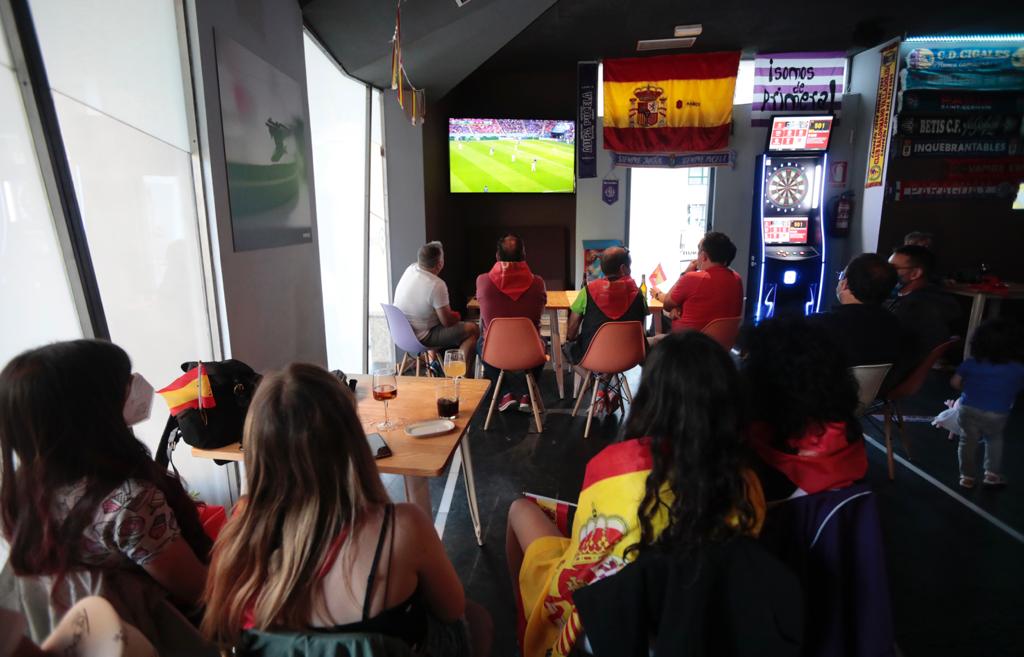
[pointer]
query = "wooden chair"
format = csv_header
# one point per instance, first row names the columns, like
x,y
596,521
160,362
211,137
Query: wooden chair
x,y
616,347
724,330
405,339
869,382
906,388
512,344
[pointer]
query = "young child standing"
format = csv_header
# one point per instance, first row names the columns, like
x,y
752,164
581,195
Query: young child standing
x,y
990,381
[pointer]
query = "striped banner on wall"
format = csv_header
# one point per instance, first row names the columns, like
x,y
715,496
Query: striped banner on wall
x,y
795,83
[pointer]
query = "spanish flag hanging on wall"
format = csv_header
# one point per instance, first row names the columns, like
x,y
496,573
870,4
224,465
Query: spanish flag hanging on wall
x,y
670,103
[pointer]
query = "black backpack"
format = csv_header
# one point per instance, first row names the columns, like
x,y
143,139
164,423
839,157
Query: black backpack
x,y
233,384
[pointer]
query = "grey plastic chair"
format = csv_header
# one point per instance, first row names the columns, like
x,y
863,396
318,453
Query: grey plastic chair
x,y
405,339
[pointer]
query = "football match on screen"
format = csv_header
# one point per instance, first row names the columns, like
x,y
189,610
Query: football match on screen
x,y
511,155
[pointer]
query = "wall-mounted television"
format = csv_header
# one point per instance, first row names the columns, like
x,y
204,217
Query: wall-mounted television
x,y
511,155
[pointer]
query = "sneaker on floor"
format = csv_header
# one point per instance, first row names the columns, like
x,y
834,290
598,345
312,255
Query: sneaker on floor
x,y
600,404
993,480
508,401
524,404
967,482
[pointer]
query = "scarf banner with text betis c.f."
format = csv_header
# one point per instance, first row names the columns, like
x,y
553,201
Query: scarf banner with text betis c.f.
x,y
669,103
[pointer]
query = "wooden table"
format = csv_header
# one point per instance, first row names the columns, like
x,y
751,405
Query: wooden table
x,y
561,300
417,459
978,302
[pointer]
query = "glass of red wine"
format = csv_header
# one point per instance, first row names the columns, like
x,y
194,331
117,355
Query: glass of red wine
x,y
385,388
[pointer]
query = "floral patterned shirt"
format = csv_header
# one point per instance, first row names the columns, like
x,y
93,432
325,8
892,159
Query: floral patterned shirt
x,y
132,525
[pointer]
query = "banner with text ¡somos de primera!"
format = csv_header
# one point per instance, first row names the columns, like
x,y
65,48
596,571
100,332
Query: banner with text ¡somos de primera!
x,y
669,103
797,83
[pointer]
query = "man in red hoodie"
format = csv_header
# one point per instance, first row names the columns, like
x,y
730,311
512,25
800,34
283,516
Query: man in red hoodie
x,y
510,289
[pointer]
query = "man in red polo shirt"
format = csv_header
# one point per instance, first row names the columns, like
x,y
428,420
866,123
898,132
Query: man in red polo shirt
x,y
708,289
510,289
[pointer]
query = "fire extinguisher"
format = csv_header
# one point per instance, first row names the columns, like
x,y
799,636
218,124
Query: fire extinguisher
x,y
842,211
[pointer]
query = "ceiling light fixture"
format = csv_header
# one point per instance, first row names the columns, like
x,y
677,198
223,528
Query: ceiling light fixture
x,y
664,44
689,30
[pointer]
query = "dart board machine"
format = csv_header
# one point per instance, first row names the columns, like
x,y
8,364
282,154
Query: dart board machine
x,y
787,238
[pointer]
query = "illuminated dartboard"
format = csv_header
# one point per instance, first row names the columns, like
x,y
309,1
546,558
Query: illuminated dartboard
x,y
787,187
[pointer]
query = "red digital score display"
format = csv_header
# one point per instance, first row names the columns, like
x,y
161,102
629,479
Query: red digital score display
x,y
785,230
806,133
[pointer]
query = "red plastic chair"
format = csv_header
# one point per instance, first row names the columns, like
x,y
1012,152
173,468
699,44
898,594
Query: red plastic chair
x,y
907,388
724,330
512,344
616,347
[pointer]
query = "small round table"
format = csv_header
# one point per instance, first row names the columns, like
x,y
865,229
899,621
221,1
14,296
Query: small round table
x,y
979,298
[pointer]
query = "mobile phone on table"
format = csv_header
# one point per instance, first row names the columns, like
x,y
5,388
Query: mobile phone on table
x,y
378,447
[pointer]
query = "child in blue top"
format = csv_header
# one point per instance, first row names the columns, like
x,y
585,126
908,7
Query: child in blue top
x,y
990,381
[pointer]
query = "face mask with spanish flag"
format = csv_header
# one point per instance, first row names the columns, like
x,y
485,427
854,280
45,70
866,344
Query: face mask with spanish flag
x,y
190,390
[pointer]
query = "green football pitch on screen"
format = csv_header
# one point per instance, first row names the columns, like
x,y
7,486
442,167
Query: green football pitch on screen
x,y
498,165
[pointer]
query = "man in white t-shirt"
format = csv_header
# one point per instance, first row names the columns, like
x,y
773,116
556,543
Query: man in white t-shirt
x,y
423,297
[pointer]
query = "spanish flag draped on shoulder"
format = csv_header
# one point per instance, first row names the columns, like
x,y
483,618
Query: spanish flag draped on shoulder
x,y
670,103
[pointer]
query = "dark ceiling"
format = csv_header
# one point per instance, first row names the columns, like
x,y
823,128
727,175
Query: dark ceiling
x,y
444,43
441,42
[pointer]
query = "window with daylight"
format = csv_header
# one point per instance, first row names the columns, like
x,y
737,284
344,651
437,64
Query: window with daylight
x,y
346,123
118,85
663,200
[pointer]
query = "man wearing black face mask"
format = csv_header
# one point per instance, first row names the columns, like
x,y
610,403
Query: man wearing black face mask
x,y
926,313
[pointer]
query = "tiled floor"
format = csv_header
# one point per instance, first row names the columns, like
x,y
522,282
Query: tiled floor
x,y
956,579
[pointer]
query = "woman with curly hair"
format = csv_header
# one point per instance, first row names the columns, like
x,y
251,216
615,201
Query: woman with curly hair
x,y
677,482
803,402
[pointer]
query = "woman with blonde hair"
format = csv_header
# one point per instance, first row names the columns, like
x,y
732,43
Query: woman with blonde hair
x,y
318,546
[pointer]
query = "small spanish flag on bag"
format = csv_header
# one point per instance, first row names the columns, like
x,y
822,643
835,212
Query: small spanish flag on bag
x,y
670,103
190,390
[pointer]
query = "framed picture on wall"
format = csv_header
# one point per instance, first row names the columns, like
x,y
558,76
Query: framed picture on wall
x,y
264,127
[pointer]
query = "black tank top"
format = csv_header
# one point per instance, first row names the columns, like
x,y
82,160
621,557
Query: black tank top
x,y
406,621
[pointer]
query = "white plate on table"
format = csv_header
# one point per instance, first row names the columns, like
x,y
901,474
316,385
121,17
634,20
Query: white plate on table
x,y
429,428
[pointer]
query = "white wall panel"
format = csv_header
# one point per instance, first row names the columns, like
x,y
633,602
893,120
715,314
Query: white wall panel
x,y
118,56
34,291
136,198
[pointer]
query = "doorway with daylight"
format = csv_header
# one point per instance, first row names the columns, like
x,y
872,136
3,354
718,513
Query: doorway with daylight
x,y
669,211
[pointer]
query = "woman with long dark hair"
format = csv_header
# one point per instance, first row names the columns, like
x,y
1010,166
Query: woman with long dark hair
x,y
804,409
677,484
79,493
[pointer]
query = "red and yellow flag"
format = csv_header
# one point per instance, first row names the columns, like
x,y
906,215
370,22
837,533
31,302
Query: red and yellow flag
x,y
670,103
658,276
190,390
559,511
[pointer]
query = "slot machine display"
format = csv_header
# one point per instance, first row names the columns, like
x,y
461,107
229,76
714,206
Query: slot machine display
x,y
787,240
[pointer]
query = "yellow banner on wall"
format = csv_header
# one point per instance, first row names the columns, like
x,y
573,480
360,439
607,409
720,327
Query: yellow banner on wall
x,y
883,114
